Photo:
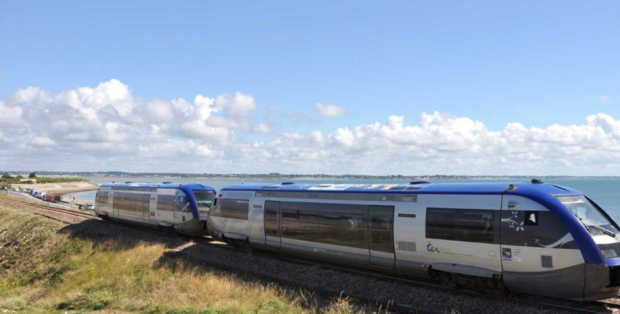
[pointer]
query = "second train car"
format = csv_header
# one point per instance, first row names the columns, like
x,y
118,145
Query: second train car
x,y
182,207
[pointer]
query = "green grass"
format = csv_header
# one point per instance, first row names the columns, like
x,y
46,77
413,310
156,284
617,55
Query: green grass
x,y
43,270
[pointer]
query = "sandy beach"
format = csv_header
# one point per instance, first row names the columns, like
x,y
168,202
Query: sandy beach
x,y
60,188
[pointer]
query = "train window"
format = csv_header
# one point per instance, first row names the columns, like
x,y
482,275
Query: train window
x,y
128,203
204,198
290,222
337,224
352,228
548,229
182,203
329,230
468,225
476,225
165,202
235,209
102,197
309,225
272,227
382,228
442,223
588,214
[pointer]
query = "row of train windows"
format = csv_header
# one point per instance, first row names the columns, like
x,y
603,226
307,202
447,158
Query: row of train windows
x,y
131,203
346,229
173,203
468,225
138,202
235,209
337,224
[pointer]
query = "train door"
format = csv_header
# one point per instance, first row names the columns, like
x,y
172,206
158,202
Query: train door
x,y
183,208
381,235
153,207
146,207
272,224
165,207
108,206
114,203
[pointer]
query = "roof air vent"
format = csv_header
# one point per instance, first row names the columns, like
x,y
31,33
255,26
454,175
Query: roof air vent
x,y
537,181
512,187
419,182
287,183
166,182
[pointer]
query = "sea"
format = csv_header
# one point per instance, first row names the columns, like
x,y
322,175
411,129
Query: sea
x,y
604,191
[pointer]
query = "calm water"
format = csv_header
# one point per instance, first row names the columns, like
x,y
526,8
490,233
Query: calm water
x,y
606,192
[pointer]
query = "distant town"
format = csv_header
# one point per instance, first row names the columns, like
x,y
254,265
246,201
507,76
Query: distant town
x,y
277,176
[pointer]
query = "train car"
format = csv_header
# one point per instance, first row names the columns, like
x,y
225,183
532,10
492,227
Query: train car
x,y
525,237
182,207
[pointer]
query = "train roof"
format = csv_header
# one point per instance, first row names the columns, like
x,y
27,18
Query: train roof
x,y
417,187
163,185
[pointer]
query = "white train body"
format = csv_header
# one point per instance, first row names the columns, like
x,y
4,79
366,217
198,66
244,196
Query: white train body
x,y
522,235
182,207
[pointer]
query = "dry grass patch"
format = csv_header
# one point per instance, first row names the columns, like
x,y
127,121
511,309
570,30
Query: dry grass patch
x,y
43,270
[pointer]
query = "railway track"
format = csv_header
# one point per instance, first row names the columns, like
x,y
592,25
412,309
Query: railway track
x,y
603,306
45,207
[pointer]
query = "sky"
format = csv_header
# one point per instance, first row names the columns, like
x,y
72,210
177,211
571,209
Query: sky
x,y
346,87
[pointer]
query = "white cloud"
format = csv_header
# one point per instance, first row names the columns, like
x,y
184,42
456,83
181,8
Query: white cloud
x,y
106,128
198,129
111,93
203,107
160,111
238,106
604,98
32,95
261,128
43,141
329,110
10,114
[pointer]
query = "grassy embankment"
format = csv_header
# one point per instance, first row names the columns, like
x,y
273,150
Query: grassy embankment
x,y
46,270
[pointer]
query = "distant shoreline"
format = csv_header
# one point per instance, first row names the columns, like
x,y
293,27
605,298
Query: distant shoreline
x,y
279,176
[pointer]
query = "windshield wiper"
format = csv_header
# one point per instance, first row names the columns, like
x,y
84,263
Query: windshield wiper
x,y
584,224
604,230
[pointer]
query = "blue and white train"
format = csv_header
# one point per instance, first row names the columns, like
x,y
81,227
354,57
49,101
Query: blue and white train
x,y
533,238
182,207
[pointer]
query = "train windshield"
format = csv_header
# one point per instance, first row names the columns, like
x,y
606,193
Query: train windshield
x,y
204,198
588,214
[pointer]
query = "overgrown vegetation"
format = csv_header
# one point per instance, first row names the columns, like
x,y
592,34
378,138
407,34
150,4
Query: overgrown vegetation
x,y
46,270
7,179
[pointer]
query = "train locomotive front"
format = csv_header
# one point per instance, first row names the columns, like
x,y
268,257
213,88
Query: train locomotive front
x,y
527,237
180,207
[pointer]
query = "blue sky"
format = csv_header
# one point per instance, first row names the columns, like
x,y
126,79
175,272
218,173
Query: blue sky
x,y
532,63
